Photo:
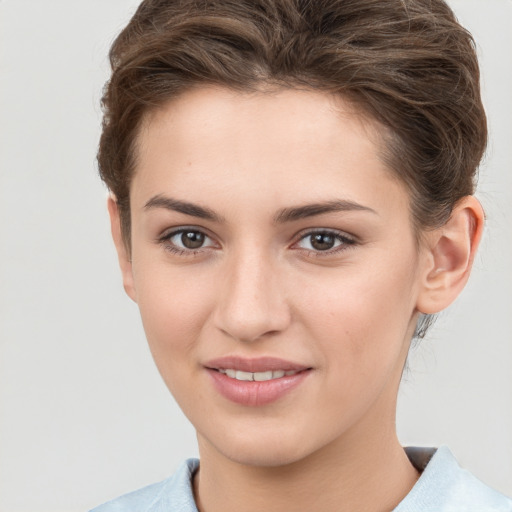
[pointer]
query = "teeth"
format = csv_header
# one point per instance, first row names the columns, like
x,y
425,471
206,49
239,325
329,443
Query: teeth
x,y
261,376
256,376
244,375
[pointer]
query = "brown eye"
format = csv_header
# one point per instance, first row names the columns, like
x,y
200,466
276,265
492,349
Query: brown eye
x,y
328,242
322,241
192,239
186,241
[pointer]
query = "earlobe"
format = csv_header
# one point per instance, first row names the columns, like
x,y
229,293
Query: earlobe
x,y
450,255
123,255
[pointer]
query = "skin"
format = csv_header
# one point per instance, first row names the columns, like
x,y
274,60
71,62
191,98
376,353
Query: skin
x,y
258,287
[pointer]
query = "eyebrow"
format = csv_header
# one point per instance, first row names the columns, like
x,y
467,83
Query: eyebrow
x,y
285,215
194,210
311,210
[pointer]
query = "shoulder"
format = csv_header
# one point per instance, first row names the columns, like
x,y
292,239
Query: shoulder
x,y
445,487
174,493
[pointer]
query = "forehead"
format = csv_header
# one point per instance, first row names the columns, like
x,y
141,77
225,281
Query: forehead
x,y
286,145
203,112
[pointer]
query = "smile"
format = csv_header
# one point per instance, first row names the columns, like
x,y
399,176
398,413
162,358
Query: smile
x,y
256,376
255,382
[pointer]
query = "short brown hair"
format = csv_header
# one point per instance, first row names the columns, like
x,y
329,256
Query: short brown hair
x,y
407,64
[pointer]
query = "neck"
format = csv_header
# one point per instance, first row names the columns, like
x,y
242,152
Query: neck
x,y
361,472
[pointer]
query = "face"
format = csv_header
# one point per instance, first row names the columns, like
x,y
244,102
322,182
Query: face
x,y
276,271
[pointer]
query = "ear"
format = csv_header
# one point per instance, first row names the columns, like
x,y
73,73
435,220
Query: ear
x,y
123,255
450,254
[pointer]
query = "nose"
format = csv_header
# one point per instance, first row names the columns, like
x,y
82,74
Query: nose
x,y
251,303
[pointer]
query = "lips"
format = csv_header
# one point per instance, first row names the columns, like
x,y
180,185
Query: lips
x,y
255,382
256,376
260,364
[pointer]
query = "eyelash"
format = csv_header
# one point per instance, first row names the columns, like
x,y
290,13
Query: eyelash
x,y
165,240
345,242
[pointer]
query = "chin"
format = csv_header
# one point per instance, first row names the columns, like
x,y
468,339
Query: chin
x,y
265,457
260,450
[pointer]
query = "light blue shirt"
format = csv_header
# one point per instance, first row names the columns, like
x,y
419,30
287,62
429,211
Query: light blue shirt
x,y
442,487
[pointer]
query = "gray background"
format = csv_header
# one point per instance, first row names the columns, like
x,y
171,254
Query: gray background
x,y
83,414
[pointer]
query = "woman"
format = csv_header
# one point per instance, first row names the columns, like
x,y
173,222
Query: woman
x,y
291,202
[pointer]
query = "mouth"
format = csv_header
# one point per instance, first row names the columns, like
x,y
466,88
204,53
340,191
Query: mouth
x,y
256,376
255,382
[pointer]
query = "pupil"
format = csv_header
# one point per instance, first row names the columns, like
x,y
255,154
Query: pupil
x,y
192,239
322,241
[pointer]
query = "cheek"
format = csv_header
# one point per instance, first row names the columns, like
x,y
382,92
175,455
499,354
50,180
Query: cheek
x,y
174,306
359,331
360,318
